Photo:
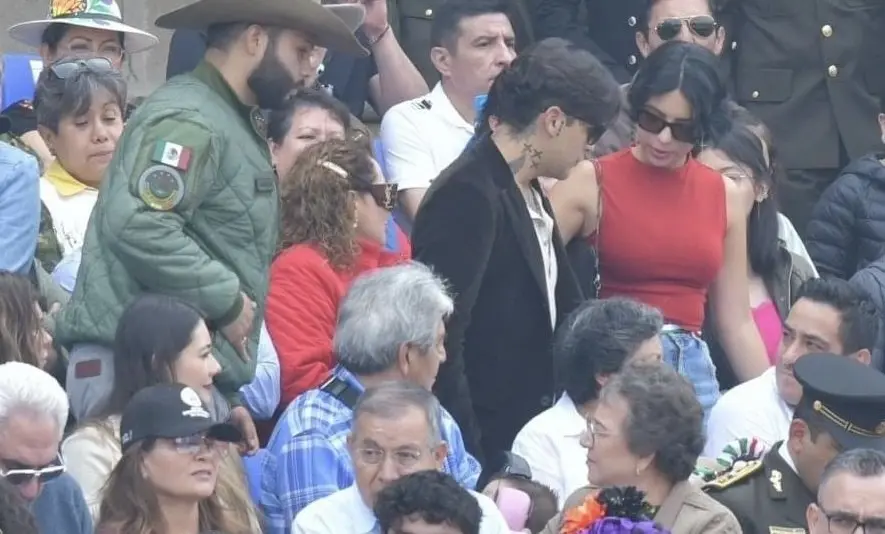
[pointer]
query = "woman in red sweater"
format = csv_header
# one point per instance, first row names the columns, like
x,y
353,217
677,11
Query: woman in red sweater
x,y
671,232
335,205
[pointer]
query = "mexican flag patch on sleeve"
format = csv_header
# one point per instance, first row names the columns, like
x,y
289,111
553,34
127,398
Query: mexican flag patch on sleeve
x,y
173,155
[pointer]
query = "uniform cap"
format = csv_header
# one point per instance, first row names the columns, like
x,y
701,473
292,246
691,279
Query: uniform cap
x,y
170,411
846,397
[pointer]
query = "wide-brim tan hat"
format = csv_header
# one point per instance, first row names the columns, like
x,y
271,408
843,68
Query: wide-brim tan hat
x,y
328,26
98,15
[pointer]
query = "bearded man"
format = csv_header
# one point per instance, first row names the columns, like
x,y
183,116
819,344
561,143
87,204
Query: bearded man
x,y
189,204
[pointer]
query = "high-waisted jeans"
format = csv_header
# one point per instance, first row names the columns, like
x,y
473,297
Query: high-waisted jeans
x,y
689,355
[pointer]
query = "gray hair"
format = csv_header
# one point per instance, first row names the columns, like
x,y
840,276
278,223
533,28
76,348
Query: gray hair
x,y
392,399
56,98
597,339
25,389
665,418
385,309
862,463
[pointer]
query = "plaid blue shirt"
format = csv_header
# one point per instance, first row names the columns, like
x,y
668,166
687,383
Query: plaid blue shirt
x,y
308,459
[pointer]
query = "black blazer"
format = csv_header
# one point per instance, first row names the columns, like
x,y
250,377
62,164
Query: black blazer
x,y
474,229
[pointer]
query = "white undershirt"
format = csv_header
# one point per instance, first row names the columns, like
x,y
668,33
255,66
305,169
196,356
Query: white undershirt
x,y
543,223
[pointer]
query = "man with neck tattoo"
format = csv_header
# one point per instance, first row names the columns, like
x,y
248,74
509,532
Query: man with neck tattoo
x,y
486,226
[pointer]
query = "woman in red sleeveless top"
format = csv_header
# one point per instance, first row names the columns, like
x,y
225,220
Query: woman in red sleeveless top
x,y
670,231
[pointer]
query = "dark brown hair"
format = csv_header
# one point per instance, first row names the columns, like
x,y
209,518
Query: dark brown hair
x,y
318,203
130,504
20,327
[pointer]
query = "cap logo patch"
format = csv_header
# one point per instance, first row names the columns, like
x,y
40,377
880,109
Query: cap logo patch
x,y
195,406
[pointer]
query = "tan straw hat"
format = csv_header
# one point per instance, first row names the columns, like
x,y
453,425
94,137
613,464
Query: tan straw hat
x,y
96,14
329,26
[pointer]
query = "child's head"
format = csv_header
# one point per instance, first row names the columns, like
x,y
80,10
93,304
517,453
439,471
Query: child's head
x,y
543,500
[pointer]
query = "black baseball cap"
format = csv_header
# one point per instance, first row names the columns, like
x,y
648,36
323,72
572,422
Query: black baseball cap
x,y
170,411
846,397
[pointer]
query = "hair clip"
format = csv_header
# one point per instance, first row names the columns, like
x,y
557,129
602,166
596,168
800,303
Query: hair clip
x,y
334,167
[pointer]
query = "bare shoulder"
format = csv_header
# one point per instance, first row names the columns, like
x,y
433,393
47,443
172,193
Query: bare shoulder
x,y
579,183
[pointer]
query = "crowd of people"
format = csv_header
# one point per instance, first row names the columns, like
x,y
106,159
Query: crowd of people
x,y
552,291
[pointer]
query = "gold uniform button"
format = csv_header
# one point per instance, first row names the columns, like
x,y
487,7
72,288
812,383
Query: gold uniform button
x,y
827,30
755,94
832,71
428,12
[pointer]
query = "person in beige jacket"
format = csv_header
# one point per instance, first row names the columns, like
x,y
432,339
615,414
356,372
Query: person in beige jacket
x,y
646,431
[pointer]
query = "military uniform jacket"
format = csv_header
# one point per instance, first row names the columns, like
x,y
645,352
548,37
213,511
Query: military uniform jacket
x,y
767,497
606,28
812,70
188,208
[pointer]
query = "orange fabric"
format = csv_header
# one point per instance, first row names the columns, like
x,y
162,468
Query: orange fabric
x,y
662,235
302,307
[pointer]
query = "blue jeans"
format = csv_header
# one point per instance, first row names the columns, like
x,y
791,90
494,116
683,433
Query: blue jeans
x,y
689,355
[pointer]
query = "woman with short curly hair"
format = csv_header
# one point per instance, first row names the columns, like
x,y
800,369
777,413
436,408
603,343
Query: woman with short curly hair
x,y
335,207
646,431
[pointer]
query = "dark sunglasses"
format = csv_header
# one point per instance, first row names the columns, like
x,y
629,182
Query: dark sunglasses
x,y
700,25
20,477
384,195
680,130
67,69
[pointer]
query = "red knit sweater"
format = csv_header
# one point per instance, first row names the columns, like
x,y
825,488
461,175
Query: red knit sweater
x,y
302,307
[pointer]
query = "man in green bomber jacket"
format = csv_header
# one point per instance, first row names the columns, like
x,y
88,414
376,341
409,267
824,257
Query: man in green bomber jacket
x,y
189,204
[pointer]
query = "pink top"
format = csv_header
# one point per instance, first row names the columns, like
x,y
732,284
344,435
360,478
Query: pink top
x,y
768,321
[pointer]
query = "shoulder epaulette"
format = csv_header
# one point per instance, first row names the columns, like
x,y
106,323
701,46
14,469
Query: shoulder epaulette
x,y
739,472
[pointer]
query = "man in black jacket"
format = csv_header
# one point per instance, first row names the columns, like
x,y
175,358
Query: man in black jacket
x,y
486,226
812,70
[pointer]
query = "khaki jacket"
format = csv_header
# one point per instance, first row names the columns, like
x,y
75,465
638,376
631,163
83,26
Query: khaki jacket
x,y
687,510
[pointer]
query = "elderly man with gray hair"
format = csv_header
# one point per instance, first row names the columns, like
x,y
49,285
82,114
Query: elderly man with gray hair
x,y
391,326
396,432
33,413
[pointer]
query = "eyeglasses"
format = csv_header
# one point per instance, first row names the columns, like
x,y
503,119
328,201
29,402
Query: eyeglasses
x,y
683,131
405,458
111,51
592,433
20,477
845,523
700,25
384,195
70,68
194,444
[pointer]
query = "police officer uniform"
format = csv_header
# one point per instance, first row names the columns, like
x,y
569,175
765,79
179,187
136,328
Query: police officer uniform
x,y
812,71
604,27
842,398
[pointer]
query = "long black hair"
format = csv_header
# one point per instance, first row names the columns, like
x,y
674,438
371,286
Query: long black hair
x,y
741,138
692,70
151,334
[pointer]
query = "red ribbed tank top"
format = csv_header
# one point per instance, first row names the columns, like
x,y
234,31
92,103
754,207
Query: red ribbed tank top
x,y
662,235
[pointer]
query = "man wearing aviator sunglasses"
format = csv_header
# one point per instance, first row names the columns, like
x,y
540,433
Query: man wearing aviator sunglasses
x,y
33,413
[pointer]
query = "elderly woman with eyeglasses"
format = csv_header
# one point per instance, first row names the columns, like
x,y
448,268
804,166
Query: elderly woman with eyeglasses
x,y
646,431
74,28
335,207
80,105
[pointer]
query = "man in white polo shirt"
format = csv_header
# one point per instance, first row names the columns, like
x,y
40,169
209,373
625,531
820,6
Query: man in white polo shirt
x,y
396,432
472,41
